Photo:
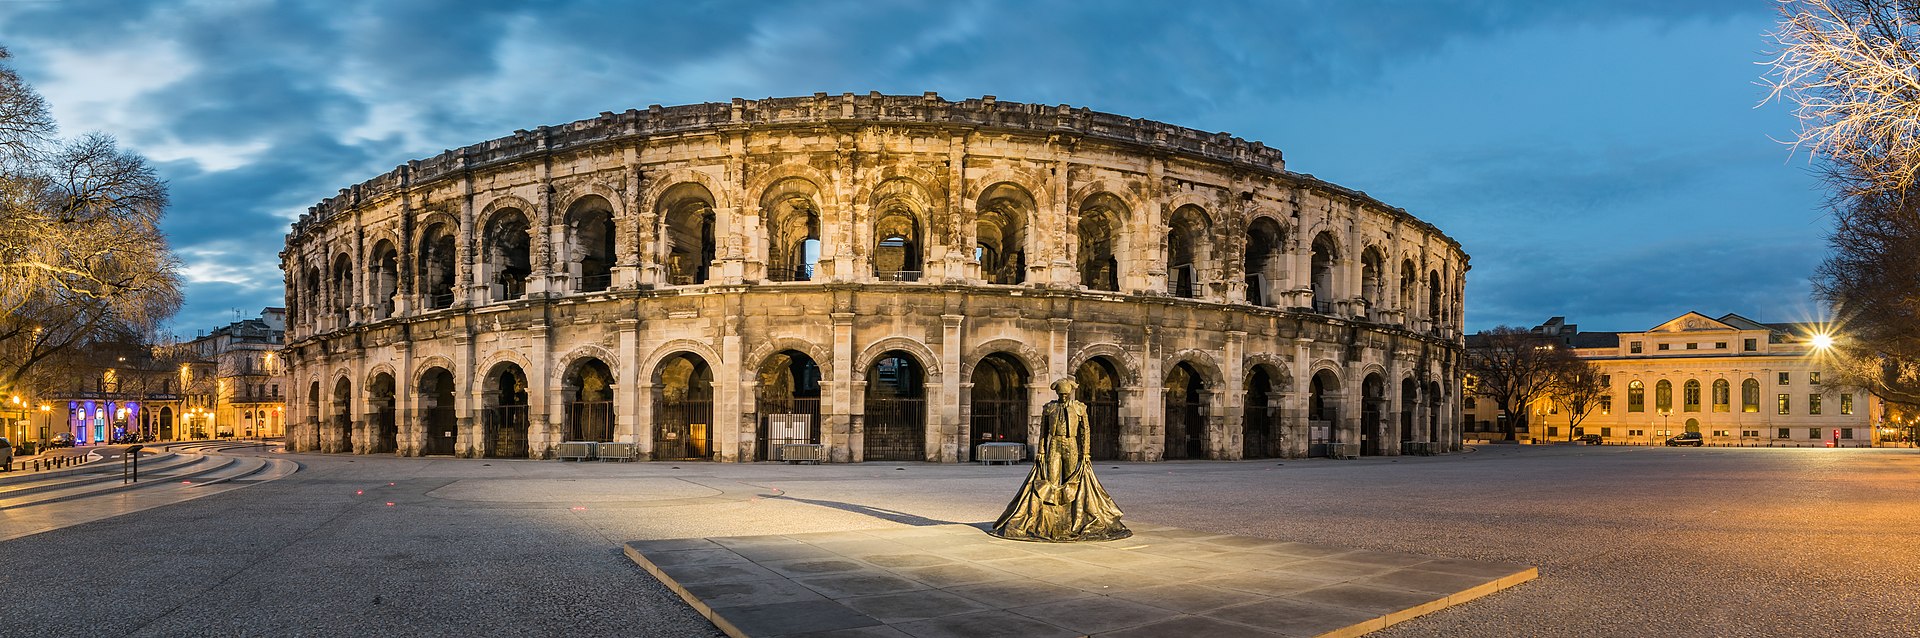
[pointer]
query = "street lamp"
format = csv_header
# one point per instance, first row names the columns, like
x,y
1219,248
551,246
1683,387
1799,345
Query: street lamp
x,y
1663,425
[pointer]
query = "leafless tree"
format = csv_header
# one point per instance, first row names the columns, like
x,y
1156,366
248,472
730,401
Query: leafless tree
x,y
1514,367
1577,390
1852,69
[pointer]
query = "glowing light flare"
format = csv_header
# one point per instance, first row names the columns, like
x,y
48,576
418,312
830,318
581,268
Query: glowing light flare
x,y
1822,341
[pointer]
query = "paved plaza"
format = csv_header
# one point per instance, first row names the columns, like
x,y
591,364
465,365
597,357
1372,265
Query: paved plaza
x,y
1628,541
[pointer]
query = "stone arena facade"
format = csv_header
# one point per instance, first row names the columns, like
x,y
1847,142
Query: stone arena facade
x,y
889,277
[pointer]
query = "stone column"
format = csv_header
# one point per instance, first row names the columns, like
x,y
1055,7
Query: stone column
x,y
841,427
951,431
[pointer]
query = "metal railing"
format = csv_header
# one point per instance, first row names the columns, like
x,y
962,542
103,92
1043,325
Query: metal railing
x,y
596,282
803,272
1324,307
898,275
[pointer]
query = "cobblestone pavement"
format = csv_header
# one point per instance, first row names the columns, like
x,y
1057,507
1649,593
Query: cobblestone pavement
x,y
1630,541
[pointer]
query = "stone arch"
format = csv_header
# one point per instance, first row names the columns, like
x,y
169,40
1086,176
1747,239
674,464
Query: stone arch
x,y
1123,363
487,363
1373,368
502,203
1005,215
909,345
686,224
1099,186
576,192
1032,181
929,186
376,370
1027,355
900,228
1202,362
1279,367
1328,365
763,180
661,353
791,215
573,358
420,369
822,357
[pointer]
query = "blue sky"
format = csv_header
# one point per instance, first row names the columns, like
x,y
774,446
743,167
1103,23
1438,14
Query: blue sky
x,y
1604,161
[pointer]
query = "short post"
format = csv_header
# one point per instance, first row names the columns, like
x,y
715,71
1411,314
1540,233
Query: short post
x,y
130,466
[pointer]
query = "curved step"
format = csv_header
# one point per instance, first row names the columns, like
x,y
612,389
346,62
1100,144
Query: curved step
x,y
187,472
95,472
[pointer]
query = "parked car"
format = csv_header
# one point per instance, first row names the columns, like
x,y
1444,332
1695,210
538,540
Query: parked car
x,y
6,455
1588,439
1686,438
63,439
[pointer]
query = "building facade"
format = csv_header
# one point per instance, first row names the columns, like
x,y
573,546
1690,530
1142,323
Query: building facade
x,y
1733,380
890,277
221,385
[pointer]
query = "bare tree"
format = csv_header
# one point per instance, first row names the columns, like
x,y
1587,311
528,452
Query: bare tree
x,y
1577,390
1852,68
1514,367
82,256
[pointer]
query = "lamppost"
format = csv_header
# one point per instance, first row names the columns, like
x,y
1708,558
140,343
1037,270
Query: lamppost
x,y
1663,425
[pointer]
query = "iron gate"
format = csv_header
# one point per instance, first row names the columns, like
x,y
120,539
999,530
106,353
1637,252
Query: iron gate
x,y
506,432
682,429
1257,431
590,421
387,430
1103,427
1000,420
796,405
440,430
344,426
1320,436
896,429
1184,426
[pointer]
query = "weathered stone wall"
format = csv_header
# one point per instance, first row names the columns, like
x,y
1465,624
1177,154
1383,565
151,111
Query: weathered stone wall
x,y
1373,312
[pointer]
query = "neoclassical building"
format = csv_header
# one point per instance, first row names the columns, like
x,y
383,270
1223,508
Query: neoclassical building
x,y
891,277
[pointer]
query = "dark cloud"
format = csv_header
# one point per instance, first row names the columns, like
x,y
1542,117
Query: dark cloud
x,y
279,104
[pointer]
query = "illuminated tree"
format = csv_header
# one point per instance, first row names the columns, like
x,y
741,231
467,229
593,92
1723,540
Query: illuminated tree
x,y
1514,367
1852,69
1577,390
82,257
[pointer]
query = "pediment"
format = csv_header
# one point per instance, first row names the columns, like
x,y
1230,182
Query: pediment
x,y
1692,322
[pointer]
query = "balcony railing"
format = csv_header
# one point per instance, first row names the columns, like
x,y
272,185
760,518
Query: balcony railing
x,y
803,272
1322,306
898,275
596,282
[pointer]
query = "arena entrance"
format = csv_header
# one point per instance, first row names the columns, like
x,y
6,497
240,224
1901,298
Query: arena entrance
x,y
1260,425
504,419
1000,405
436,390
1373,422
1186,414
342,422
589,390
1323,398
896,409
683,409
383,431
1100,390
788,405
1409,399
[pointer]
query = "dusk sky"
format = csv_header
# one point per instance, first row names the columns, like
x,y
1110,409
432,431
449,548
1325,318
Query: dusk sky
x,y
1600,160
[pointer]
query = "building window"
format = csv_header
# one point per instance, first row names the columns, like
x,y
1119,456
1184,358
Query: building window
x,y
1749,345
1636,432
1846,433
1719,432
1553,431
1813,433
1750,395
1663,396
1813,404
1721,398
1606,381
1784,378
1786,433
1606,432
1636,396
1690,396
1720,345
1752,434
1634,347
1662,346
1846,403
1606,404
1786,402
1693,346
1813,378
1470,402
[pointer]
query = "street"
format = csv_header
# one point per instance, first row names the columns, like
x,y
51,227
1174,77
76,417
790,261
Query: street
x,y
1629,541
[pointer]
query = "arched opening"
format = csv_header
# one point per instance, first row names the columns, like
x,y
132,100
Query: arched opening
x,y
1372,278
896,409
793,230
436,398
1409,401
314,295
1000,232
1323,413
342,287
1326,253
1436,399
1186,414
590,243
1663,396
1636,396
788,403
1434,306
1000,393
1690,396
1409,289
437,269
896,250
1693,426
384,430
1101,218
1261,436
687,218
504,422
342,420
507,255
1186,246
1373,411
385,277
309,440
1750,395
1265,261
1100,390
1721,396
683,409
166,423
588,387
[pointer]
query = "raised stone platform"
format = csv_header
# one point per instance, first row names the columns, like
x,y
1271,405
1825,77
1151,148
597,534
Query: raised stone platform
x,y
955,580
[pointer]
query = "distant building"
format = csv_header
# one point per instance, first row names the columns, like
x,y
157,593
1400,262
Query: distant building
x,y
224,384
1734,380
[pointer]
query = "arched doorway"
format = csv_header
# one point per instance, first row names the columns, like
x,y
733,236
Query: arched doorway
x,y
792,220
1102,217
686,213
1260,425
384,430
504,421
1433,411
1187,250
589,391
1264,261
683,409
342,421
1100,390
1693,426
1323,413
166,423
999,400
1000,232
590,237
1325,256
436,398
788,403
896,409
1186,414
507,255
310,439
1373,407
1409,399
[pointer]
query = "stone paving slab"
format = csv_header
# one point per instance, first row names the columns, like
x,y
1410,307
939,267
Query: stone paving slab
x,y
954,581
